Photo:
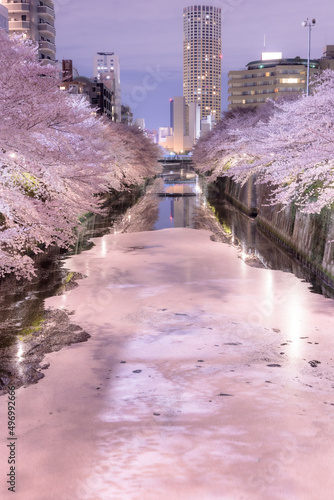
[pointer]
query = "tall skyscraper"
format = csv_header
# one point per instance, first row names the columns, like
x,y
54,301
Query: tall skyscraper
x,y
202,58
107,70
36,20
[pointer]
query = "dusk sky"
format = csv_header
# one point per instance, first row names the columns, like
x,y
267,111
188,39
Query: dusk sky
x,y
147,36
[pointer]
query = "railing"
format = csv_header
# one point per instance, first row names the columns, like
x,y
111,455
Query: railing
x,y
47,46
44,9
46,28
17,7
19,25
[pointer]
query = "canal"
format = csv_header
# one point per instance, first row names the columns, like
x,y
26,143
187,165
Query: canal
x,y
177,199
179,361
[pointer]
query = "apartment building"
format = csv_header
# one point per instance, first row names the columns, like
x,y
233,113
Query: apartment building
x,y
269,78
106,68
35,19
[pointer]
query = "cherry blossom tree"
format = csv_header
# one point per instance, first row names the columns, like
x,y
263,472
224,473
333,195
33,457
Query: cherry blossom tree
x,y
56,155
219,152
292,148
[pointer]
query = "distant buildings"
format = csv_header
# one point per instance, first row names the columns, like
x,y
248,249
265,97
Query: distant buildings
x,y
163,133
207,125
274,76
185,129
36,20
106,69
180,126
201,100
126,115
152,135
98,94
140,123
3,17
202,56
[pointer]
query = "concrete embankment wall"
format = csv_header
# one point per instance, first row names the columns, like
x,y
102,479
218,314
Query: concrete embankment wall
x,y
307,236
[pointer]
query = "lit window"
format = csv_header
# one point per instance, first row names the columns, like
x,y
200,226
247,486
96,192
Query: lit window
x,y
289,80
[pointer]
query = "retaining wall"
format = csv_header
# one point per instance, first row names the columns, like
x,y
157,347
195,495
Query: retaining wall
x,y
309,237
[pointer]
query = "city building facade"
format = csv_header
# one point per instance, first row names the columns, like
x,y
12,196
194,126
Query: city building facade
x,y
126,115
269,78
202,55
194,122
207,125
106,69
3,17
97,93
327,60
34,19
163,133
185,129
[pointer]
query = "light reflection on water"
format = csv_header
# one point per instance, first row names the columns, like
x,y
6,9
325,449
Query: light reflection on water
x,y
179,211
23,306
197,211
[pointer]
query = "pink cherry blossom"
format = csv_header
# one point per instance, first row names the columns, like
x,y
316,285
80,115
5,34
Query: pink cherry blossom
x,y
55,156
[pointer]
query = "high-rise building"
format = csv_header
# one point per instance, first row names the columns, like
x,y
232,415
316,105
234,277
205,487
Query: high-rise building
x,y
202,58
35,19
107,70
185,129
179,125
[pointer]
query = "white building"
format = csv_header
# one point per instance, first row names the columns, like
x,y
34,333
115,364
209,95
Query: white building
x,y
186,120
163,133
106,69
194,122
207,124
36,20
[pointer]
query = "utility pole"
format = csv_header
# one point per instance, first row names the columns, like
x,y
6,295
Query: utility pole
x,y
308,24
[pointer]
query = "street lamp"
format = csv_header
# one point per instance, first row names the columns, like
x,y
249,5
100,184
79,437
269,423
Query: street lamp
x,y
308,24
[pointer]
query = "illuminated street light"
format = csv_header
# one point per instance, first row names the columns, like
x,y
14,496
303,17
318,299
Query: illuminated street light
x,y
308,24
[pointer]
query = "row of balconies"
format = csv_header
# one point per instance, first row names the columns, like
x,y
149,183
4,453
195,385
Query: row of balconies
x,y
46,11
23,7
257,100
262,83
17,7
19,25
46,29
266,94
43,28
247,74
253,84
47,47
